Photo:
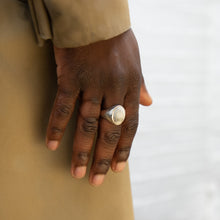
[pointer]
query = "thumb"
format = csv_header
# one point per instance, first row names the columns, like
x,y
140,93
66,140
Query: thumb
x,y
145,98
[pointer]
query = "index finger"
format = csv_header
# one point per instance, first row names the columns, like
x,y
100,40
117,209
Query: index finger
x,y
61,112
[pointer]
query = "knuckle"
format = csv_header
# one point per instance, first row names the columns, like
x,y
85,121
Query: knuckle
x,y
56,131
84,76
63,110
118,81
135,82
123,153
90,108
89,126
136,77
102,166
112,137
83,158
65,92
93,100
130,127
116,84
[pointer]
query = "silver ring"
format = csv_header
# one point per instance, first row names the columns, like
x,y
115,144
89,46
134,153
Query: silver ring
x,y
115,114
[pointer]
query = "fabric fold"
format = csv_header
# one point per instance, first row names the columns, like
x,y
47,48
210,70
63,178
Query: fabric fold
x,y
41,21
73,23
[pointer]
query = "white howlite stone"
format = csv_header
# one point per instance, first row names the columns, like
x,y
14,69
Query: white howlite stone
x,y
118,115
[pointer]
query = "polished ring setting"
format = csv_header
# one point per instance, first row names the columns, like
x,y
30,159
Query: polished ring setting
x,y
115,114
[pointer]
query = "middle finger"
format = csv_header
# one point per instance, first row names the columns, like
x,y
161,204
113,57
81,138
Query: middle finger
x,y
87,124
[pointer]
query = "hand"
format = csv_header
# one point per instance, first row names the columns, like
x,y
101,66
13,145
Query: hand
x,y
101,75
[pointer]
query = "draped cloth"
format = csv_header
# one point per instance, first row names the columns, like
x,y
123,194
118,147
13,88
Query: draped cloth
x,y
35,183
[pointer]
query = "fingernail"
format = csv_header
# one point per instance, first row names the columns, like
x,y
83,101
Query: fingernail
x,y
52,145
98,179
120,166
79,172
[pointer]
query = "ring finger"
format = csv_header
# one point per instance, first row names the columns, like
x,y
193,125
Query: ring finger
x,y
128,131
108,137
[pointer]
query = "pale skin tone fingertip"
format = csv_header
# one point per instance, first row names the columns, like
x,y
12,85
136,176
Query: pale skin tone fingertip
x,y
145,98
118,167
78,172
146,101
52,145
97,179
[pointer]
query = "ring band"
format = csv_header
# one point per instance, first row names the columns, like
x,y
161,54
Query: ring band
x,y
115,114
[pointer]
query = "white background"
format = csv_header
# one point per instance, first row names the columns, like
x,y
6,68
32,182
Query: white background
x,y
175,159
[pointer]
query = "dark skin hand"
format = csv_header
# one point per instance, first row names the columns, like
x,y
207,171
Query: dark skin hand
x,y
102,75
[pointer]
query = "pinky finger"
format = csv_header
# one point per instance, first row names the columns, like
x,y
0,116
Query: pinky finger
x,y
145,98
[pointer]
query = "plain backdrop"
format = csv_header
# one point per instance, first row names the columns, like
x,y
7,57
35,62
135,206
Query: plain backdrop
x,y
175,158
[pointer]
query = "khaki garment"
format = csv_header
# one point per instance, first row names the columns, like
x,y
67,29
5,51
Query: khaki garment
x,y
72,23
35,183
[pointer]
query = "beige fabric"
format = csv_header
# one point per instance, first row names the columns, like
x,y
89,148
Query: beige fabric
x,y
35,183
73,23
